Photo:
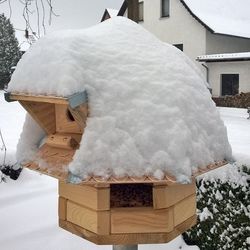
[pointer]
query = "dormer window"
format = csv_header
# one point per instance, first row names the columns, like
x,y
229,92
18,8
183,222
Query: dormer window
x,y
165,8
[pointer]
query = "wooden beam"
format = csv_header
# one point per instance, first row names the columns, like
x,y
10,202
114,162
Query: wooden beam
x,y
165,196
38,98
94,221
128,239
88,196
61,141
184,209
62,208
80,114
141,220
42,113
65,123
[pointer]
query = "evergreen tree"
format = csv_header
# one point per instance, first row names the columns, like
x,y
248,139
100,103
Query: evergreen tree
x,y
9,50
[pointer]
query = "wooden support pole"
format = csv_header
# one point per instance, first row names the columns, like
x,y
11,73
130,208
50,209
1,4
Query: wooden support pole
x,y
128,247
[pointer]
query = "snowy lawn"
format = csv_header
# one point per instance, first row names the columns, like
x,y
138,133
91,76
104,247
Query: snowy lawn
x,y
28,206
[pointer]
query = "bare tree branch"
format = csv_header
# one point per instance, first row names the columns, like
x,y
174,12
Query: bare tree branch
x,y
37,8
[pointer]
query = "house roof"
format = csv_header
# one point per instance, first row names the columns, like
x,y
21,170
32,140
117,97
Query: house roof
x,y
225,57
227,17
110,13
123,8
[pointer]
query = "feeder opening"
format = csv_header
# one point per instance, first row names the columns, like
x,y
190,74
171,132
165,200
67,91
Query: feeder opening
x,y
131,195
70,116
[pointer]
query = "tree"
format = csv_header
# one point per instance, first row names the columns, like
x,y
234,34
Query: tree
x,y
9,50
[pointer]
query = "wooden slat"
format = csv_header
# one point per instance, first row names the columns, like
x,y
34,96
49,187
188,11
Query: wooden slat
x,y
88,196
62,208
61,141
63,122
80,114
38,98
43,114
184,209
128,239
141,220
166,196
94,221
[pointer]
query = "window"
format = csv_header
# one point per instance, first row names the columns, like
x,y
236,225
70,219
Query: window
x,y
164,8
179,46
140,11
229,84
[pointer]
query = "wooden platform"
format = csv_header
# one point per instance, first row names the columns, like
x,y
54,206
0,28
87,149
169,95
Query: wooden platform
x,y
127,239
89,212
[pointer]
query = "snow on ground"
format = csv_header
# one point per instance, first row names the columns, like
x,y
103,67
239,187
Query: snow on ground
x,y
28,206
11,123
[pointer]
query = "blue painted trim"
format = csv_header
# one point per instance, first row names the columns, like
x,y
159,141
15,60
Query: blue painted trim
x,y
78,99
73,178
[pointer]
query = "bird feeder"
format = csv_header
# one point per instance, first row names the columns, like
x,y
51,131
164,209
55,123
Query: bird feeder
x,y
117,211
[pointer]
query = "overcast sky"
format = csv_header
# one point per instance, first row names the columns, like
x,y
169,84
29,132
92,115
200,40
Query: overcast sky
x,y
73,14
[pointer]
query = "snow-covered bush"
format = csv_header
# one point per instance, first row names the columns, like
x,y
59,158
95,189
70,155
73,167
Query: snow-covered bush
x,y
223,214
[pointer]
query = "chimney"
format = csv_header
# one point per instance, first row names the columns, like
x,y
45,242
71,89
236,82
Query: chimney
x,y
133,10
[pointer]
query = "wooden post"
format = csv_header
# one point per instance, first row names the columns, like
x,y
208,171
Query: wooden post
x,y
133,10
128,247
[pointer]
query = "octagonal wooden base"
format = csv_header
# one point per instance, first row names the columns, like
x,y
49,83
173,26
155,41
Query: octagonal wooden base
x,y
94,213
128,239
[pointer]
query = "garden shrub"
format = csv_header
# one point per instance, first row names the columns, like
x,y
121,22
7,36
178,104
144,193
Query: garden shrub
x,y
223,214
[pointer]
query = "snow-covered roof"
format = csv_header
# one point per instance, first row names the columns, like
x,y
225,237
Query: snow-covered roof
x,y
150,110
225,57
229,17
112,12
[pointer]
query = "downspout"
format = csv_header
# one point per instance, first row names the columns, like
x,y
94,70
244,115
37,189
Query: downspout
x,y
207,76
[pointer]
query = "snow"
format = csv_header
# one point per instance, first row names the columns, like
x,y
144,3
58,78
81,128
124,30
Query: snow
x,y
230,17
26,202
112,12
11,123
228,56
150,111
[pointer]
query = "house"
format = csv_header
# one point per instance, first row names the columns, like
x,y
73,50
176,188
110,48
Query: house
x,y
214,34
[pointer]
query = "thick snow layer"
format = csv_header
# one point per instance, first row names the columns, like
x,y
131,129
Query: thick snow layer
x,y
230,17
150,111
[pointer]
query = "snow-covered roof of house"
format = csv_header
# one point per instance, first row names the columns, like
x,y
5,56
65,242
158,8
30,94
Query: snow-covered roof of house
x,y
109,13
150,112
112,12
245,56
228,17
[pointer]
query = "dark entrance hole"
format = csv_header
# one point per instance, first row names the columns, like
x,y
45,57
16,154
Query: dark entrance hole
x,y
131,195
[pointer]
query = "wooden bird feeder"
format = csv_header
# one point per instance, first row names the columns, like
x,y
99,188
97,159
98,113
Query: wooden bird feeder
x,y
115,211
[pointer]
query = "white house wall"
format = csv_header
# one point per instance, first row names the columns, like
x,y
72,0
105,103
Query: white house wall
x,y
179,28
218,68
218,44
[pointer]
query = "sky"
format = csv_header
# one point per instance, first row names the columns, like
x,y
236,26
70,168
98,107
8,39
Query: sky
x,y
73,14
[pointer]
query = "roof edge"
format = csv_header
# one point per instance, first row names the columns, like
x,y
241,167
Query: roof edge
x,y
104,14
123,8
195,17
206,26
